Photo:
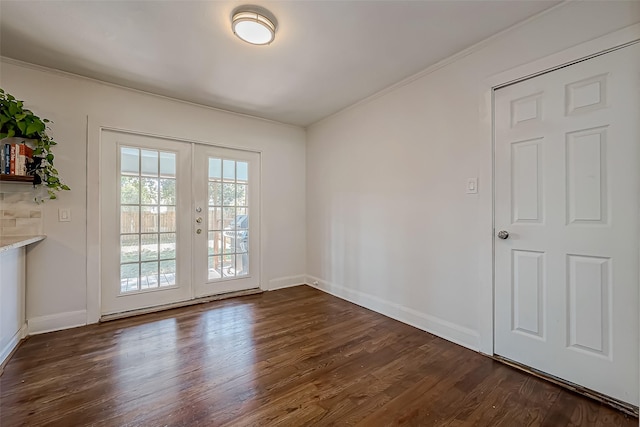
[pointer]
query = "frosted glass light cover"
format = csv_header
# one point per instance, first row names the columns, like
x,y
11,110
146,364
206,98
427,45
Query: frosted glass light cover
x,y
253,28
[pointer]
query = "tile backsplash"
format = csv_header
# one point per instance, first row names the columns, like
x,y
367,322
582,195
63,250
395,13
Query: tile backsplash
x,y
20,215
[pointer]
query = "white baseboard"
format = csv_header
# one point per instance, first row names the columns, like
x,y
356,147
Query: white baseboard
x,y
286,282
12,344
57,322
450,331
444,329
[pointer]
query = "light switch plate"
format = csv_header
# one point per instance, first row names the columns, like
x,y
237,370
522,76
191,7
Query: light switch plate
x,y
64,215
472,185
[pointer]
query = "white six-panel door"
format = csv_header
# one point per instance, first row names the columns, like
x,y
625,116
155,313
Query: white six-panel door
x,y
567,184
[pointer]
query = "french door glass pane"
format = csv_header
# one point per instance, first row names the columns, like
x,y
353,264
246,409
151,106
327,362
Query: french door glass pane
x,y
147,219
167,165
167,191
228,225
130,189
129,248
149,163
149,275
129,219
167,246
149,191
168,272
149,244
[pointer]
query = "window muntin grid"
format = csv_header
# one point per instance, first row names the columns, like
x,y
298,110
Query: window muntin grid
x,y
148,239
228,219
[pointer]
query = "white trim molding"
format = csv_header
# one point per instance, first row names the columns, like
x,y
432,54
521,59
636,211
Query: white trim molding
x,y
79,77
286,282
93,307
442,63
442,328
11,346
57,322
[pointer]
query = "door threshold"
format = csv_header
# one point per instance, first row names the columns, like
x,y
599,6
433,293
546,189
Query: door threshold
x,y
138,312
627,408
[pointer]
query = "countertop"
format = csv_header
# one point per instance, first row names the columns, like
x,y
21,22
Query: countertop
x,y
13,242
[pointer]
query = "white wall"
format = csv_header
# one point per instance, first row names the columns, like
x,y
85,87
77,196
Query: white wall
x,y
57,267
389,225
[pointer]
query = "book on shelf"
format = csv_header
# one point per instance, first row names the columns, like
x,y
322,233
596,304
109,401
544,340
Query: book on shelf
x,y
15,158
2,159
7,158
24,155
12,164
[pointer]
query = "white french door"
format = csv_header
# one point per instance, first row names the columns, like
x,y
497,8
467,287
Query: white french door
x,y
567,185
175,227
145,194
227,207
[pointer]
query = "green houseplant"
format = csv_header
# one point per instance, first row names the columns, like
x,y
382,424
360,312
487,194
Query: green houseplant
x,y
17,121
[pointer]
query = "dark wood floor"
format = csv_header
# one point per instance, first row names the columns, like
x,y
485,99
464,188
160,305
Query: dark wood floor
x,y
291,357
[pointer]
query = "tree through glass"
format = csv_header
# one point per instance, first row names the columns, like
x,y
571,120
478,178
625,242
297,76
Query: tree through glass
x,y
147,219
228,225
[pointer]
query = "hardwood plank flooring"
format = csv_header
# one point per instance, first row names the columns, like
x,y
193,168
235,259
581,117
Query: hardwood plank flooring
x,y
293,357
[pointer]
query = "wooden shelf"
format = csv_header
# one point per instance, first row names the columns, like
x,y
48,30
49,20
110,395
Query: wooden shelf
x,y
17,178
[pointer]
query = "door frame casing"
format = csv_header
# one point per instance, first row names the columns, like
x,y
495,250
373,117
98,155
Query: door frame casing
x,y
94,220
486,199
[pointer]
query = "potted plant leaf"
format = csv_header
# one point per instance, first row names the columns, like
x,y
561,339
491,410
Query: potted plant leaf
x,y
17,121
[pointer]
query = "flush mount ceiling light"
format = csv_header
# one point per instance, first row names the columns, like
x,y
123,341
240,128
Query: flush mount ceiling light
x,y
253,26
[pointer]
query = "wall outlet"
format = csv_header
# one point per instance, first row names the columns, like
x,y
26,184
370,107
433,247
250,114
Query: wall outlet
x,y
315,283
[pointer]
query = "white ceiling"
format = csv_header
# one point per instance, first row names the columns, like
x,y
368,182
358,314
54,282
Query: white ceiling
x,y
327,54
